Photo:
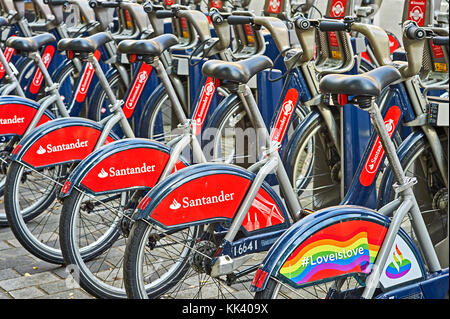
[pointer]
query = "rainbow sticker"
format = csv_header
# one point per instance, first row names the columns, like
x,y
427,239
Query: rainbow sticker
x,y
343,248
399,267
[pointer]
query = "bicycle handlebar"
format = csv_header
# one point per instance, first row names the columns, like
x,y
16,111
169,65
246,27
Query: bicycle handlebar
x,y
104,4
162,14
240,20
328,26
55,2
440,40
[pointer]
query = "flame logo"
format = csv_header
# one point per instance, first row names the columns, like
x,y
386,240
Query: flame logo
x,y
41,150
142,76
399,267
274,4
338,9
287,107
103,173
416,14
175,205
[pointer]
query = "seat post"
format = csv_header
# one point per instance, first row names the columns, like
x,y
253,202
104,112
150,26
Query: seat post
x,y
51,87
115,104
102,78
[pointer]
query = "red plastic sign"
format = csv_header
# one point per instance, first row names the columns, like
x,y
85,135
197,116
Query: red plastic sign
x,y
216,4
337,9
8,53
284,117
274,6
47,57
417,10
377,152
86,79
204,103
263,213
136,89
211,196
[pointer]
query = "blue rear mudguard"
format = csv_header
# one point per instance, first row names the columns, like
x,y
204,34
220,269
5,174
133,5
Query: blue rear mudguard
x,y
313,224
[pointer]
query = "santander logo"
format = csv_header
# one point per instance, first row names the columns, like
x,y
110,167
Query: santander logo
x,y
274,5
49,148
187,202
13,120
288,107
416,14
338,9
116,172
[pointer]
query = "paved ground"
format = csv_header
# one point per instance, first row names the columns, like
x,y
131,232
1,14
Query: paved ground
x,y
23,276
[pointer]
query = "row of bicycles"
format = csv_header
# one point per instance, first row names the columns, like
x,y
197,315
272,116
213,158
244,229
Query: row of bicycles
x,y
199,149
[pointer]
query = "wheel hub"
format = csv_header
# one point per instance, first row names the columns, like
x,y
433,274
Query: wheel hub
x,y
440,200
200,259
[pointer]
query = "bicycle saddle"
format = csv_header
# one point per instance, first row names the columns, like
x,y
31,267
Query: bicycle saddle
x,y
240,72
153,47
30,43
3,22
87,44
367,84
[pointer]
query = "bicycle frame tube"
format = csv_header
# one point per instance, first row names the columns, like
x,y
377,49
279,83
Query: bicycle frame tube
x,y
409,204
119,115
11,76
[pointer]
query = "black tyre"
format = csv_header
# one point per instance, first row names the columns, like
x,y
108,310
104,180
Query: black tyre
x,y
342,288
314,167
93,231
32,210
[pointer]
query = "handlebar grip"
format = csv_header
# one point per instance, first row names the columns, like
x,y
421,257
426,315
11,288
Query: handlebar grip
x,y
104,4
440,40
162,14
55,2
413,32
239,20
332,26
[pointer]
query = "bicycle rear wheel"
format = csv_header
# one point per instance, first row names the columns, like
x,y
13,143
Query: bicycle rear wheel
x,y
31,208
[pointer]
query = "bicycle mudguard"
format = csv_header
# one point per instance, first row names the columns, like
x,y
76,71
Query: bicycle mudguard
x,y
335,242
122,165
205,193
16,114
62,140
